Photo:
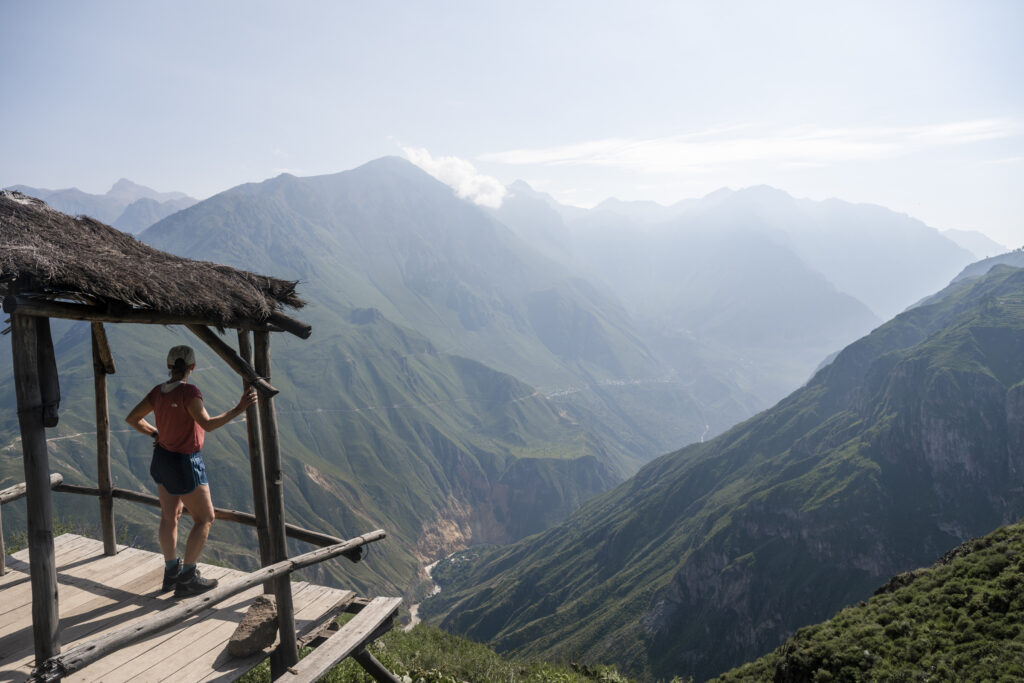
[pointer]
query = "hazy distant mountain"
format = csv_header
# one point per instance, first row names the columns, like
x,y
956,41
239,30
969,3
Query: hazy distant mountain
x,y
1013,258
982,246
126,205
708,288
885,259
144,212
908,443
538,219
388,236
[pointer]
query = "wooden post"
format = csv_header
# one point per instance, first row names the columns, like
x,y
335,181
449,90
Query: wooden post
x,y
42,561
234,361
287,653
49,385
375,668
102,363
259,481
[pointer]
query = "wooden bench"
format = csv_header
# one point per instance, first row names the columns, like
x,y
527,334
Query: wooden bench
x,y
351,639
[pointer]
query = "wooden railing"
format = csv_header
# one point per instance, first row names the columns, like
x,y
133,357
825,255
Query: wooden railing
x,y
9,495
80,656
56,667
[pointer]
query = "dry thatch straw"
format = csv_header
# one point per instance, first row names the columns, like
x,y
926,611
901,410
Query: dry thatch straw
x,y
45,253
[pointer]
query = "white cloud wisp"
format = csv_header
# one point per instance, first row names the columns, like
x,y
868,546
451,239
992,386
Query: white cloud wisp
x,y
460,175
793,147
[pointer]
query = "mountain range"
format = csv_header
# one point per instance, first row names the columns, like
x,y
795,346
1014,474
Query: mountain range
x,y
753,282
476,375
126,205
907,443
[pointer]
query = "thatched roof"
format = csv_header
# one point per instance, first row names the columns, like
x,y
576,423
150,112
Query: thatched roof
x,y
52,255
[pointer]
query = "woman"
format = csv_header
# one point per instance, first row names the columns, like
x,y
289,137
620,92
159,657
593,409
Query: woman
x,y
177,466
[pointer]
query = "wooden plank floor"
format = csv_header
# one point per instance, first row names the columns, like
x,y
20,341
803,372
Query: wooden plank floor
x,y
99,593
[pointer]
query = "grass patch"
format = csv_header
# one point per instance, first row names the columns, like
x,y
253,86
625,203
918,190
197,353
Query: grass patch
x,y
430,655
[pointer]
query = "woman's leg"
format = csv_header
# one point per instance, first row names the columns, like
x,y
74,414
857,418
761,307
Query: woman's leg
x,y
200,506
170,513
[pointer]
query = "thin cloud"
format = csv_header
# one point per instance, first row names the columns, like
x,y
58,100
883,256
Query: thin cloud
x,y
1004,162
793,147
460,175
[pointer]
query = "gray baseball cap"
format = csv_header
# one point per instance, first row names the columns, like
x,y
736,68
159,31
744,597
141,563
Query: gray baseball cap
x,y
183,352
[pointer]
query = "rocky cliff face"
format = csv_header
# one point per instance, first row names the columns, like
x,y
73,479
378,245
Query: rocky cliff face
x,y
908,443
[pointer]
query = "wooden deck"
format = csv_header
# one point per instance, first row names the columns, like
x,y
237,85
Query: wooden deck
x,y
99,593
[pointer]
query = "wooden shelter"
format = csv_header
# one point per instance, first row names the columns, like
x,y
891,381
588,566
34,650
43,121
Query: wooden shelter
x,y
57,266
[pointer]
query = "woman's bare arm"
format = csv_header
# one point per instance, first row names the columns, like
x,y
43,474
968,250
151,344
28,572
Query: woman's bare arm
x,y
197,409
137,418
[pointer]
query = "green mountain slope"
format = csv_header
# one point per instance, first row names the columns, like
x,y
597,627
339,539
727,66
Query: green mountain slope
x,y
388,236
378,429
958,620
908,443
381,426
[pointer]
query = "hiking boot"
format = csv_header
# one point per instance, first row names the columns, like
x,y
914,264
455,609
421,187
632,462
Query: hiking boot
x,y
171,577
193,584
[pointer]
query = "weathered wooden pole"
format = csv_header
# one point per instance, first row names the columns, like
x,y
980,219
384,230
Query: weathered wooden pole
x,y
234,361
259,481
375,668
42,562
102,365
287,653
49,384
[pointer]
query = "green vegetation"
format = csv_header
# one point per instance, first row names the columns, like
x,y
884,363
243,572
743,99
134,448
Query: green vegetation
x,y
906,444
962,620
67,525
429,655
383,426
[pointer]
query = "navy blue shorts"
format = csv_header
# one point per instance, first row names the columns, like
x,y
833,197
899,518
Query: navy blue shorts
x,y
180,473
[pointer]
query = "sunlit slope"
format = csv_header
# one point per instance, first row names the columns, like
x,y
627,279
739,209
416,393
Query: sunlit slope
x,y
909,442
378,429
957,620
388,236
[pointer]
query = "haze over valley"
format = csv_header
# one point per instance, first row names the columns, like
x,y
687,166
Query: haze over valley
x,y
660,333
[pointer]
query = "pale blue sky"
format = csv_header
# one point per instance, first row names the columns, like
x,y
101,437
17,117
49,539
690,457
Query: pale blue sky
x,y
914,105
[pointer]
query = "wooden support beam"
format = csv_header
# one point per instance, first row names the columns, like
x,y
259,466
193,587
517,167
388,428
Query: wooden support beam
x,y
11,494
49,383
236,362
256,470
80,656
289,324
328,622
292,531
17,491
102,346
375,668
369,624
58,309
101,361
287,652
42,559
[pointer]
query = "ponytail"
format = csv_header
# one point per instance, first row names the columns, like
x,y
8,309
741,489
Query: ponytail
x,y
178,369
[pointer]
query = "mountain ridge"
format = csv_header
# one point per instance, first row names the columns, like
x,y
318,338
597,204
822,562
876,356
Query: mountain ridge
x,y
126,206
876,466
